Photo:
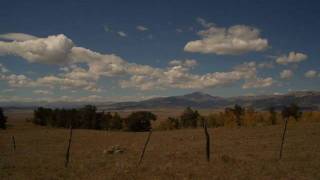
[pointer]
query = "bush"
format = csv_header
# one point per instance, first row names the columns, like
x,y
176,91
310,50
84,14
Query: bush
x,y
139,121
189,118
3,120
291,111
215,120
170,124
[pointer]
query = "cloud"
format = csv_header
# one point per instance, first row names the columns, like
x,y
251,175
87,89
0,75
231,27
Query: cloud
x,y
178,30
310,74
234,40
122,34
51,50
268,65
3,69
142,28
8,90
293,57
67,83
204,23
258,83
15,99
51,99
59,49
42,92
286,74
178,76
17,37
106,28
75,79
15,80
187,63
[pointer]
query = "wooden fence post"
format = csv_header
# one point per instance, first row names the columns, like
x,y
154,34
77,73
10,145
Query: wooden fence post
x,y
69,145
207,140
13,144
283,137
145,146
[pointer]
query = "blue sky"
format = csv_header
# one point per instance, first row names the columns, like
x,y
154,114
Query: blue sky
x,y
131,50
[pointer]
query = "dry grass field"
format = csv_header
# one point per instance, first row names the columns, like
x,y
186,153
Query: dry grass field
x,y
237,153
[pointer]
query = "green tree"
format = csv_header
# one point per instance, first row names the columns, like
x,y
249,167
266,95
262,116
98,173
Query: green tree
x,y
238,111
174,122
88,117
3,119
42,116
273,115
170,123
105,122
189,118
140,121
116,122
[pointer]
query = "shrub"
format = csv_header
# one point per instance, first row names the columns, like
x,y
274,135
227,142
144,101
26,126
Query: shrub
x,y
228,117
215,120
170,124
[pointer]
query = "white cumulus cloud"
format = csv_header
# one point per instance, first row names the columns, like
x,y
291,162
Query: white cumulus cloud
x,y
17,36
142,28
122,34
51,50
258,83
286,74
234,40
292,57
310,74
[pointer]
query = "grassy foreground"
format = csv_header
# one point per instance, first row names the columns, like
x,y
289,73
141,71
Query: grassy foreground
x,y
237,153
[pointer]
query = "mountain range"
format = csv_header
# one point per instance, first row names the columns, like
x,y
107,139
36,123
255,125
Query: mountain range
x,y
305,99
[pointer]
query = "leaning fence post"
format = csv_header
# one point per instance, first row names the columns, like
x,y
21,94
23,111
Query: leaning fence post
x,y
69,145
145,146
207,140
13,144
283,136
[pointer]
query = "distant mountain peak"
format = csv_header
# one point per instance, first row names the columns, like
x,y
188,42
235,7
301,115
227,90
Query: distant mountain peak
x,y
199,96
197,93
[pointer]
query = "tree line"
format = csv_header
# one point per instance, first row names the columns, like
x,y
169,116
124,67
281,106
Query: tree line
x,y
231,116
88,117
